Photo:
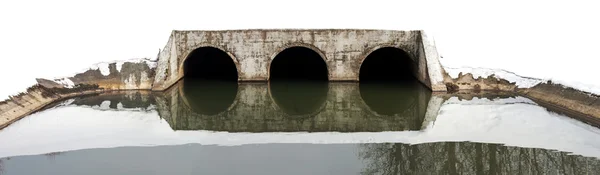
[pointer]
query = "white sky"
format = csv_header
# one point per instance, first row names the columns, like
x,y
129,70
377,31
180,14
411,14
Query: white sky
x,y
545,39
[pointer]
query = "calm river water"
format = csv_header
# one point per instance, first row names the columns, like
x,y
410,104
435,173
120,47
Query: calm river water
x,y
199,127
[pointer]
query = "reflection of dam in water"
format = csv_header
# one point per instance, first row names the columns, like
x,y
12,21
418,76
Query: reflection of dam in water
x,y
292,106
476,133
279,106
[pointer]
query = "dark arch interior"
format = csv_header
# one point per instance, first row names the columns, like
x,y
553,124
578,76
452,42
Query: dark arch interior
x,y
298,63
209,97
299,98
388,64
211,64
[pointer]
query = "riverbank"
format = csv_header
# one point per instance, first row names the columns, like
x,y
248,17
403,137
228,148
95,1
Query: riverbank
x,y
577,104
139,74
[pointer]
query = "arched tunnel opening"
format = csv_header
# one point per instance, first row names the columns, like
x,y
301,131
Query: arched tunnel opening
x,y
388,65
210,81
298,64
298,81
388,84
209,63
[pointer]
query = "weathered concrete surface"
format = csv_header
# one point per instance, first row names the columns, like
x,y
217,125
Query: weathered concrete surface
x,y
128,76
36,98
342,50
565,97
252,52
131,76
581,105
136,75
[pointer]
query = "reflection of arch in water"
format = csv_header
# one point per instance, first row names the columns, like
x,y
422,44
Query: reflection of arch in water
x,y
389,99
209,97
309,101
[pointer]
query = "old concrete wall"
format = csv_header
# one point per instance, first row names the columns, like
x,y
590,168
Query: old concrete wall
x,y
123,75
18,106
565,98
342,50
36,98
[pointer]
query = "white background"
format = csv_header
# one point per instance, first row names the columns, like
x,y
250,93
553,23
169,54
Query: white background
x,y
544,39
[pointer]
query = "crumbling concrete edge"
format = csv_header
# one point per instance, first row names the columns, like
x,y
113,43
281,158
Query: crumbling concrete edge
x,y
434,68
38,97
566,98
578,103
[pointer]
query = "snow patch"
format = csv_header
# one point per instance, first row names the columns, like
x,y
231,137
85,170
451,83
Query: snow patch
x,y
103,67
120,65
105,105
66,82
520,81
152,64
590,88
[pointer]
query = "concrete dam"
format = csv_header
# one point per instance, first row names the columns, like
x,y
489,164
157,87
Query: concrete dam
x,y
253,54
336,55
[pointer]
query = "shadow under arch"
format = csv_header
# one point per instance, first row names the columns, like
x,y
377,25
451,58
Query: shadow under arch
x,y
387,63
389,99
210,62
299,100
209,97
301,61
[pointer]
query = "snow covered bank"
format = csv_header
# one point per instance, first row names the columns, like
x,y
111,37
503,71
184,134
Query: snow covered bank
x,y
512,121
105,69
138,74
520,81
